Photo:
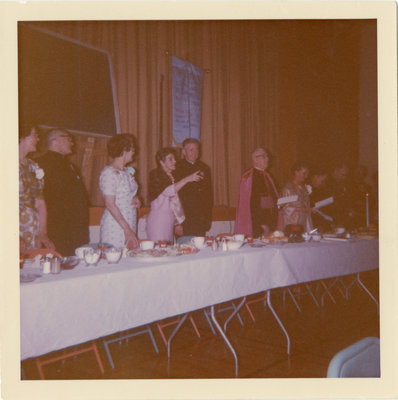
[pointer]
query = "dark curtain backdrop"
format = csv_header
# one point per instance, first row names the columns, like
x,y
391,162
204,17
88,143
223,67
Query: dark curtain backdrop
x,y
291,86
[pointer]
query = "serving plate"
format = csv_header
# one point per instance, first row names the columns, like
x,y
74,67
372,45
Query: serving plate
x,y
70,262
153,254
28,277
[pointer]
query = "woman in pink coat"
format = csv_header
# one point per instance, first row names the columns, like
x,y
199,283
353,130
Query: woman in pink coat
x,y
166,210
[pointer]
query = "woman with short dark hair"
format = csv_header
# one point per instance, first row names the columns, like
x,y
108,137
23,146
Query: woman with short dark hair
x,y
166,209
32,207
298,212
119,188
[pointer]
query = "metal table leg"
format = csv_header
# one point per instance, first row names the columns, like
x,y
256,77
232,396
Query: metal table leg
x,y
224,336
367,290
335,280
236,310
279,321
176,329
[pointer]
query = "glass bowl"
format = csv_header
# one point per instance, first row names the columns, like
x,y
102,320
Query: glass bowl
x,y
92,256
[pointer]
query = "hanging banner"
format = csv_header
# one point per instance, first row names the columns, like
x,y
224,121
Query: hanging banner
x,y
187,99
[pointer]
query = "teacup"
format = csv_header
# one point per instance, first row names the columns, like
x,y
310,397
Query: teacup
x,y
209,240
147,245
81,250
316,237
198,242
306,236
113,255
239,237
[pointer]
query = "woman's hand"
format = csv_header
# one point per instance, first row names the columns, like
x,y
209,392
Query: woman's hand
x,y
136,202
178,230
195,177
43,241
266,230
130,239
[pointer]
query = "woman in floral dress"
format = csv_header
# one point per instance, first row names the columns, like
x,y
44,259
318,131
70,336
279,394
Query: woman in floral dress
x,y
298,212
119,188
32,207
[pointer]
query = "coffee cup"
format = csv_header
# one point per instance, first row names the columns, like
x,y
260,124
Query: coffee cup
x,y
339,231
147,245
239,237
198,242
80,251
306,236
316,237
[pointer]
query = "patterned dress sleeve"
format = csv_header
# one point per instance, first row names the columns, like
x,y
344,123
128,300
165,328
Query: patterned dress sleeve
x,y
37,181
108,182
289,210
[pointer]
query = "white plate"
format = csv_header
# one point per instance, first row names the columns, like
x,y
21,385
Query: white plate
x,y
28,277
153,255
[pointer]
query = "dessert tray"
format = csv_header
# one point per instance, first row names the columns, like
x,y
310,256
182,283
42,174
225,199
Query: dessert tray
x,y
153,254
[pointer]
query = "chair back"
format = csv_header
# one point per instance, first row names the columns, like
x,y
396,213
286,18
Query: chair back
x,y
360,360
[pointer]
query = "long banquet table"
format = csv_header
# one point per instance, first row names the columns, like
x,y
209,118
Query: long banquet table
x,y
86,303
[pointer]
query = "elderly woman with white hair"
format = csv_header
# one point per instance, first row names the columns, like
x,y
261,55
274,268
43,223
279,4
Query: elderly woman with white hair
x,y
257,211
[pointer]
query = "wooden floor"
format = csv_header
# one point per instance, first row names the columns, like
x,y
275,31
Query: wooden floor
x,y
316,335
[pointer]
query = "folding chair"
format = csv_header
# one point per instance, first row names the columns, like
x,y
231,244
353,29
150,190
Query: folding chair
x,y
90,347
360,360
167,322
125,336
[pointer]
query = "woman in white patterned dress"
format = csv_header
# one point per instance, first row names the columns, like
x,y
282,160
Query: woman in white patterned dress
x,y
119,188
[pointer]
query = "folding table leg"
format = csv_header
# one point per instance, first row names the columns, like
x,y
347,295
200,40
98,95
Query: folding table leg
x,y
279,321
224,336
176,329
327,291
367,290
263,298
293,298
311,294
209,321
236,310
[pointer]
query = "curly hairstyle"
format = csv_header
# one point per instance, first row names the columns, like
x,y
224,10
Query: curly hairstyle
x,y
26,128
163,153
119,143
298,165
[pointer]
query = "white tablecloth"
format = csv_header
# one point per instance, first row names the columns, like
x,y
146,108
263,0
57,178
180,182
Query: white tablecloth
x,y
85,303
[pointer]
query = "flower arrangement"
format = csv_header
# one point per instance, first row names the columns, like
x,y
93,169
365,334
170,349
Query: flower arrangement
x,y
39,173
130,170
